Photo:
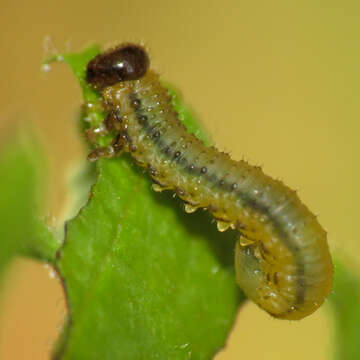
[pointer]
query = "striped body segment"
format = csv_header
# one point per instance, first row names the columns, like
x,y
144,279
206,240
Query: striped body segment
x,y
282,260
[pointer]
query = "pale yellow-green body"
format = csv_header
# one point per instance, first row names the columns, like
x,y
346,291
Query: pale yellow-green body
x,y
282,259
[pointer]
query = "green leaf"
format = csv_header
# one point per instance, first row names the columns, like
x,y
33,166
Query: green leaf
x,y
345,301
43,243
20,179
143,279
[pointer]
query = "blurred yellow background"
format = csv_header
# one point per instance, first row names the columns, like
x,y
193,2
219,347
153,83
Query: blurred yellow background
x,y
276,82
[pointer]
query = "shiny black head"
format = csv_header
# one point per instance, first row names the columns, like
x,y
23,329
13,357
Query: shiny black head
x,y
123,63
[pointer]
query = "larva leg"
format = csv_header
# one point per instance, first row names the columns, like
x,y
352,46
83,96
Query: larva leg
x,y
110,123
160,187
101,152
93,134
113,121
116,147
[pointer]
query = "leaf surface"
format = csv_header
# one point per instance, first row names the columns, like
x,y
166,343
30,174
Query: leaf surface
x,y
345,301
21,233
143,279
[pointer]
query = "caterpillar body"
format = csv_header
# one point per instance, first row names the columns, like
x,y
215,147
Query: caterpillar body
x,y
282,260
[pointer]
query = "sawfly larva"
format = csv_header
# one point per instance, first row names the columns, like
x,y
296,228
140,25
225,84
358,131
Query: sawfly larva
x,y
282,259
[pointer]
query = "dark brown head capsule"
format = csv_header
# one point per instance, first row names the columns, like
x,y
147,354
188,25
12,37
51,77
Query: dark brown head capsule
x,y
123,63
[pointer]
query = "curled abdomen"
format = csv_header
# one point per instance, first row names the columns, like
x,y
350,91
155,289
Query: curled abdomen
x,y
287,268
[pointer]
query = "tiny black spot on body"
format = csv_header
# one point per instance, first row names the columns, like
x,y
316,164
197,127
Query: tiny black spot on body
x,y
142,119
